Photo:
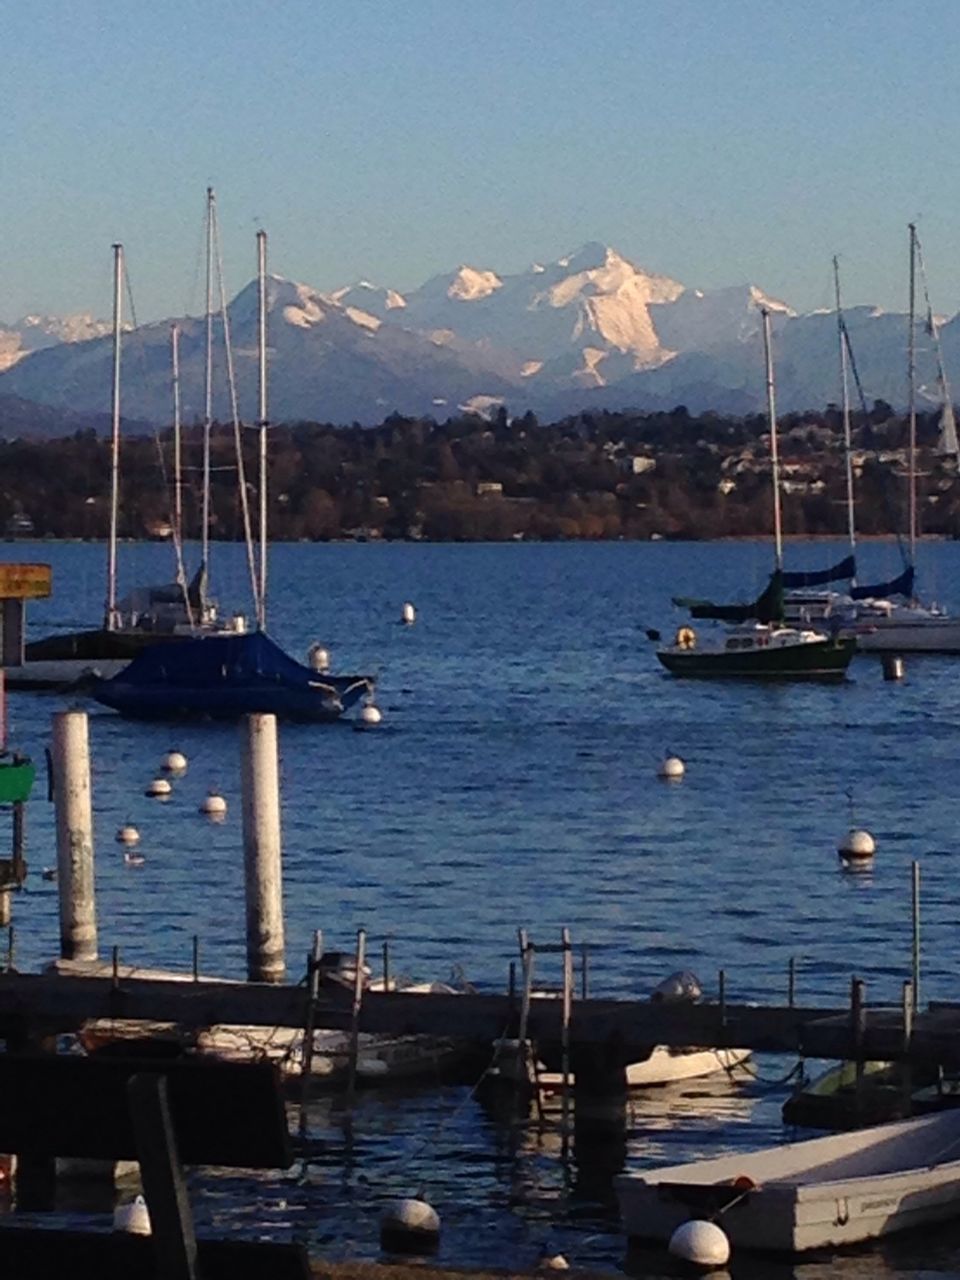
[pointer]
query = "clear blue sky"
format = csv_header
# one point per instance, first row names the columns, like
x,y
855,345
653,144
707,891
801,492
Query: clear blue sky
x,y
717,141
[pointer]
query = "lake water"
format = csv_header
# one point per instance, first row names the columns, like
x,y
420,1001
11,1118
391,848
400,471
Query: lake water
x,y
513,783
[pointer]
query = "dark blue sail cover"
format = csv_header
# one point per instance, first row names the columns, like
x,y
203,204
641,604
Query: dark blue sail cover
x,y
227,676
902,586
843,571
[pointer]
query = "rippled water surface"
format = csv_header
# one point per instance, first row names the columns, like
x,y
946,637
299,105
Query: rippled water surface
x,y
513,783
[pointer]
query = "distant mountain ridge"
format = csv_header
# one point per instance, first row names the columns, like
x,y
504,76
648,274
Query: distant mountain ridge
x,y
589,330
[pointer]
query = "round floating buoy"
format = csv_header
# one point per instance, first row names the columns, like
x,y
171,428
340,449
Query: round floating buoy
x,y
159,788
128,835
318,657
213,804
174,762
702,1244
132,1217
370,715
671,769
408,614
857,848
409,1226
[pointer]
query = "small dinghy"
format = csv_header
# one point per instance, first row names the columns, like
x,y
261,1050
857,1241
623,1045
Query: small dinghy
x,y
837,1190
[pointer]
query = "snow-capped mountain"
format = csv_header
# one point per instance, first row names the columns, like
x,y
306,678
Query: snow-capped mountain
x,y
33,333
591,329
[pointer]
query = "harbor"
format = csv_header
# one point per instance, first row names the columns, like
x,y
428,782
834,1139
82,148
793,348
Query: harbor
x,y
549,791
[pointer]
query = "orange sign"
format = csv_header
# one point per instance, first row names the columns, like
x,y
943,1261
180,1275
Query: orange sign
x,y
25,581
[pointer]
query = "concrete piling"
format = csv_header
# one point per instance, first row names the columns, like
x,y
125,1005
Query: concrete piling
x,y
261,848
70,761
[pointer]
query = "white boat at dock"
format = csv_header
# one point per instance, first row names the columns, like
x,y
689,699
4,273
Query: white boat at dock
x,y
663,1066
838,1190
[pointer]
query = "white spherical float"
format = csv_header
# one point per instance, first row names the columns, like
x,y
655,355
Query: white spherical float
x,y
409,1226
213,805
370,716
857,849
127,834
158,789
132,1217
701,1244
408,614
318,658
671,769
174,762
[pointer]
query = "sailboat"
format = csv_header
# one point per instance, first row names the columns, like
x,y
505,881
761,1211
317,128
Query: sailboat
x,y
887,617
227,676
762,646
147,616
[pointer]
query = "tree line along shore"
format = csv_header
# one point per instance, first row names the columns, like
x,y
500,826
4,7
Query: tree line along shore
x,y
593,476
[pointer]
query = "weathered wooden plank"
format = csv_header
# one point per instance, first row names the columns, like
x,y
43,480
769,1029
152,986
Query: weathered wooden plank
x,y
27,1253
164,1185
224,1113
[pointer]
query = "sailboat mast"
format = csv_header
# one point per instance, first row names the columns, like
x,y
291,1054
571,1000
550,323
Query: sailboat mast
x,y
262,419
774,456
845,393
177,458
112,621
207,391
912,396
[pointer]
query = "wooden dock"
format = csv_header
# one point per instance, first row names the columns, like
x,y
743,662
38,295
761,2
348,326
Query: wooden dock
x,y
47,1003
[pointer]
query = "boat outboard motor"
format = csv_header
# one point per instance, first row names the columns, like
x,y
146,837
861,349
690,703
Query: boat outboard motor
x,y
680,986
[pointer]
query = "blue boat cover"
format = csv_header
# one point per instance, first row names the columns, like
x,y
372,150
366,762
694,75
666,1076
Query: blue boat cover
x,y
227,676
844,570
902,586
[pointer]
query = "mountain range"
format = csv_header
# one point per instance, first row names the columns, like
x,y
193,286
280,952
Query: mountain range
x,y
591,330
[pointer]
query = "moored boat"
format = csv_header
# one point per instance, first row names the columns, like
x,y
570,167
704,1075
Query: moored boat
x,y
763,651
837,1190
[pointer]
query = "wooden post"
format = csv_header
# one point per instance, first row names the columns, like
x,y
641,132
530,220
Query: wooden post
x,y
355,1009
906,1066
19,842
164,1186
915,880
70,776
261,848
313,990
858,1024
526,968
6,907
566,1016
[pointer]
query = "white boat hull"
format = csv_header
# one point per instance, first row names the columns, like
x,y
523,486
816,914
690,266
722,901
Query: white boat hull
x,y
926,635
61,673
823,1193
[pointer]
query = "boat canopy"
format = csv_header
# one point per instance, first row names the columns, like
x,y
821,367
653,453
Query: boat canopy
x,y
902,586
227,675
768,607
846,569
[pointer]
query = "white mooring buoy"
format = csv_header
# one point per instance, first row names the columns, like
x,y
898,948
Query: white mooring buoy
x,y
370,716
318,657
133,1217
128,834
159,789
857,848
409,1226
213,804
702,1244
671,768
174,762
408,614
